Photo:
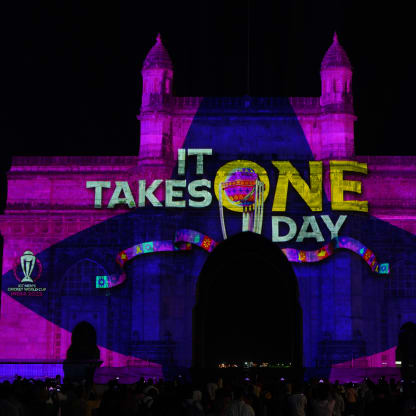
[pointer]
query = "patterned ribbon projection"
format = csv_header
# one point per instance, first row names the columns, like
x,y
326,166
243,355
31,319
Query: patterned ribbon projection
x,y
184,239
182,242
348,243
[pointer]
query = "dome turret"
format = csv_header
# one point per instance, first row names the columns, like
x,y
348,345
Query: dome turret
x,y
158,57
335,56
337,103
336,77
157,74
155,113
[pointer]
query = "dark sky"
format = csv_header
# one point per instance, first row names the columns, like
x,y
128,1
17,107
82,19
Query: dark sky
x,y
70,72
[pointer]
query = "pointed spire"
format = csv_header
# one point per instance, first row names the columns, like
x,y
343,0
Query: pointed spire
x,y
158,56
335,56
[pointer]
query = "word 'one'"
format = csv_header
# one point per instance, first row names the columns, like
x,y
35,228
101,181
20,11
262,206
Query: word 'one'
x,y
199,191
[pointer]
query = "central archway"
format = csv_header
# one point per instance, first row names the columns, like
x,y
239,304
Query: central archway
x,y
247,306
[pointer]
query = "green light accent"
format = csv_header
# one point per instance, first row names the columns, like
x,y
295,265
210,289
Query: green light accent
x,y
101,282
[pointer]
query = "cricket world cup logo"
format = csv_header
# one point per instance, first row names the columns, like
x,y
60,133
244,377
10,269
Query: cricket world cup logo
x,y
242,186
27,268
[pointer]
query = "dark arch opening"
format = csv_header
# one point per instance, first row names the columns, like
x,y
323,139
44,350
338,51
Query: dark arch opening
x,y
247,306
406,350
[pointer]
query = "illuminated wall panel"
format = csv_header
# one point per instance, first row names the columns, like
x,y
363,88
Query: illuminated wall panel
x,y
355,279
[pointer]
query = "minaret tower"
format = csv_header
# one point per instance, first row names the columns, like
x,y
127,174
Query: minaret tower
x,y
337,141
155,113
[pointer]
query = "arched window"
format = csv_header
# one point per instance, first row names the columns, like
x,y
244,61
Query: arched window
x,y
80,278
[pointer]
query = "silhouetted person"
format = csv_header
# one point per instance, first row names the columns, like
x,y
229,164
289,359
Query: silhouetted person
x,y
339,407
324,405
351,400
83,354
297,401
240,406
6,407
406,350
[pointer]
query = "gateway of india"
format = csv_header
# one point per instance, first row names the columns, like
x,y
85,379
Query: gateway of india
x,y
49,205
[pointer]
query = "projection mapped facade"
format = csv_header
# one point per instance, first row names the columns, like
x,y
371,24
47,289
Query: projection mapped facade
x,y
120,241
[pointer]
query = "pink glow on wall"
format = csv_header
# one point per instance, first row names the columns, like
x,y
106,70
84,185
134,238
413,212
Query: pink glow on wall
x,y
381,359
32,336
372,366
44,187
398,196
36,185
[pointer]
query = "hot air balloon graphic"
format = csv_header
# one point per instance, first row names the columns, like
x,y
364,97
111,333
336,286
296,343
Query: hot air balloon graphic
x,y
244,191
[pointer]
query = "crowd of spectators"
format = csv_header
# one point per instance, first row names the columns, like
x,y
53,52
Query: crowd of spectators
x,y
216,398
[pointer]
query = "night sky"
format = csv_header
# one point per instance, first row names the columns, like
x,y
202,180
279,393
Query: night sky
x,y
70,73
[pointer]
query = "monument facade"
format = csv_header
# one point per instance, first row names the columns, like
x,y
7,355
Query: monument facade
x,y
120,241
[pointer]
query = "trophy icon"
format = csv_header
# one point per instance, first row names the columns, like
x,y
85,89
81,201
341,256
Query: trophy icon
x,y
27,261
244,192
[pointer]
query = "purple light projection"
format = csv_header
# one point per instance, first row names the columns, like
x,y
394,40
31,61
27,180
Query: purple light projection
x,y
35,186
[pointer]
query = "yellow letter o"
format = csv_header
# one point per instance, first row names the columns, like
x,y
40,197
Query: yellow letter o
x,y
225,171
